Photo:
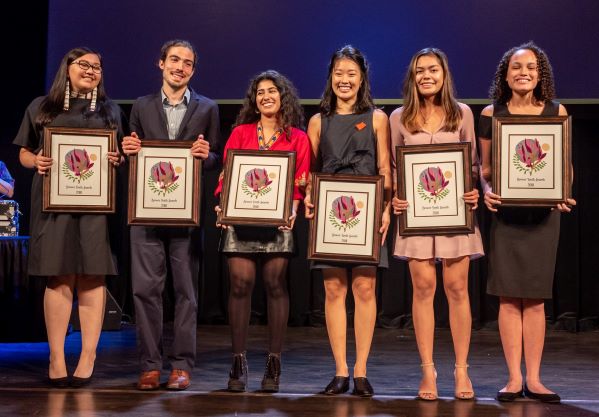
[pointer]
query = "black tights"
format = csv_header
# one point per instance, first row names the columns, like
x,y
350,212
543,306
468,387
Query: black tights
x,y
242,274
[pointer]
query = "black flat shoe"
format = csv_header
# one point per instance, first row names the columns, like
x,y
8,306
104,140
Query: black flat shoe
x,y
77,382
544,398
59,382
508,397
338,385
362,387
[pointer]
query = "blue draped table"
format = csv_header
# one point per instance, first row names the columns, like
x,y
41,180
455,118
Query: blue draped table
x,y
21,297
13,263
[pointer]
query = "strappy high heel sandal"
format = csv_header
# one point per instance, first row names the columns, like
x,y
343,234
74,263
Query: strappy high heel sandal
x,y
463,395
428,395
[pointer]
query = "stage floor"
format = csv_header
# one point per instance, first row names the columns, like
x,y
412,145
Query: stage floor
x,y
570,367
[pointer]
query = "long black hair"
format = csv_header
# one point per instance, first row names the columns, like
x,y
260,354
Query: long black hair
x,y
53,103
364,101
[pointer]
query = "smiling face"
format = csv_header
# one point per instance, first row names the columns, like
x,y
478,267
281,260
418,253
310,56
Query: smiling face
x,y
429,75
85,80
178,67
346,79
522,73
268,98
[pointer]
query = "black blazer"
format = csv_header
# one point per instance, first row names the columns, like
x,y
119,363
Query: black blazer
x,y
148,120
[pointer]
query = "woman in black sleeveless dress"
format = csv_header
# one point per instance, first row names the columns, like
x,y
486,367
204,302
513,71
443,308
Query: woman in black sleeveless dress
x,y
523,86
350,136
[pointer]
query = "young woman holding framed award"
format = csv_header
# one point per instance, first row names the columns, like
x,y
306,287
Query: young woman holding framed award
x,y
349,136
430,116
523,86
269,123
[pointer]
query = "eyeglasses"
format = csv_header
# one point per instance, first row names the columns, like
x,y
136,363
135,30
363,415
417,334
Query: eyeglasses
x,y
84,65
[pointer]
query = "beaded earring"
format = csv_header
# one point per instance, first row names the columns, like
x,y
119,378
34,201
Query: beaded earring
x,y
92,106
67,96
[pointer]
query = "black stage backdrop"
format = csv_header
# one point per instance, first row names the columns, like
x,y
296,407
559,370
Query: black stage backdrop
x,y
576,291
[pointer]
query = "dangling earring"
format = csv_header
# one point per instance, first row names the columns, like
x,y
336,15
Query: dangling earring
x,y
92,106
67,96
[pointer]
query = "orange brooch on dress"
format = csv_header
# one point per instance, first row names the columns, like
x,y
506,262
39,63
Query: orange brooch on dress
x,y
360,125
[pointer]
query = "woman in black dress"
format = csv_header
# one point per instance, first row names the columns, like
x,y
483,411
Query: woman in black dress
x,y
523,85
351,137
72,250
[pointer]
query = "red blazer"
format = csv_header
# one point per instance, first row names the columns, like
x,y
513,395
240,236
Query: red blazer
x,y
246,137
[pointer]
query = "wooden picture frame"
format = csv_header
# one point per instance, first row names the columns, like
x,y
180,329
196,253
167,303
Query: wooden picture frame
x,y
531,160
347,218
433,178
81,179
257,188
164,184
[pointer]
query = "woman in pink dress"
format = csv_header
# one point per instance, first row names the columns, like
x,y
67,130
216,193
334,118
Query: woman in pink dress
x,y
431,114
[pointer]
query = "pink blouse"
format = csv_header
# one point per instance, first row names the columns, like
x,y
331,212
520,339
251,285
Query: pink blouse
x,y
438,247
246,137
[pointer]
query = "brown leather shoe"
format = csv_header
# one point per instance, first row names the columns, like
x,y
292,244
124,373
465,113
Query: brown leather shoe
x,y
149,380
178,380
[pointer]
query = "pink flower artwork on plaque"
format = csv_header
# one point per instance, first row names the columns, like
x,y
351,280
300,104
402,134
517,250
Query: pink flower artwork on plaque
x,y
163,178
77,165
433,183
344,212
529,156
257,182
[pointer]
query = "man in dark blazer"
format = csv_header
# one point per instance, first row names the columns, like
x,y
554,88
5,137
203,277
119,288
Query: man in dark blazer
x,y
176,113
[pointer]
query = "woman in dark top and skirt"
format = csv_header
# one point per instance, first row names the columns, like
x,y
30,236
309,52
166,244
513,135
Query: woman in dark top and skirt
x,y
523,86
270,120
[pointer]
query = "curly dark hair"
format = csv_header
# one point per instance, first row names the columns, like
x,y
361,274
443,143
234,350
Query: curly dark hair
x,y
364,103
291,113
52,105
500,92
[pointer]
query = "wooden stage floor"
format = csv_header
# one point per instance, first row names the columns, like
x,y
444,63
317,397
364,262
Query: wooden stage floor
x,y
570,367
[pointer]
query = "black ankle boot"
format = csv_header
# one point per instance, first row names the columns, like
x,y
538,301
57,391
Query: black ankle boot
x,y
272,373
238,375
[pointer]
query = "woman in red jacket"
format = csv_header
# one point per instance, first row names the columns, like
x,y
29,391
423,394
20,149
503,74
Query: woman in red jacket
x,y
269,120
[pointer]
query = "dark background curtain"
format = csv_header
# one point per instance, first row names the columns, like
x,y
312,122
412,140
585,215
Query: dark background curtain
x,y
576,291
575,304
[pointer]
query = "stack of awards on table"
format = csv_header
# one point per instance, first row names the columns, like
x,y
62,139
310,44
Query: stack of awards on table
x,y
9,218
